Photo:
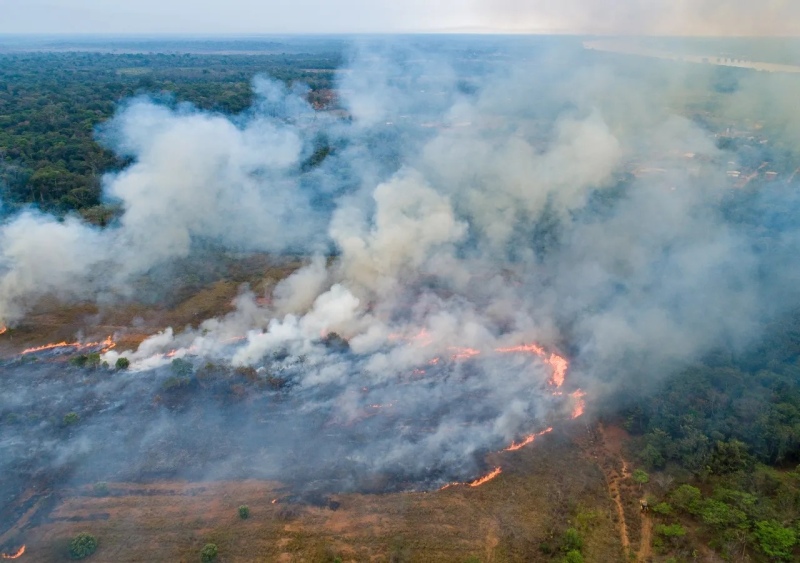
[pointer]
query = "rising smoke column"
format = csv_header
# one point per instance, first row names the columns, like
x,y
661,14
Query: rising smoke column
x,y
531,205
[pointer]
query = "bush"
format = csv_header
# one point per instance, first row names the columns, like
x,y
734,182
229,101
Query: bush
x,y
721,515
573,557
82,546
671,530
181,367
93,360
209,553
244,512
687,498
123,363
572,541
71,418
640,477
100,489
729,457
79,360
174,383
775,540
662,509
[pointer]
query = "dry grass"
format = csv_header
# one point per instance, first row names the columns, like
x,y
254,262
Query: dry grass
x,y
131,321
543,490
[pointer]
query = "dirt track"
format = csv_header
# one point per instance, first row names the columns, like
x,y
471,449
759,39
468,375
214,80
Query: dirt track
x,y
615,468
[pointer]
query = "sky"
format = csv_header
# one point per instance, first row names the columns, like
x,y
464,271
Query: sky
x,y
638,17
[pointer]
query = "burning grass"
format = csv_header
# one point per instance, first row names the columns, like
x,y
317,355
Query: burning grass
x,y
472,519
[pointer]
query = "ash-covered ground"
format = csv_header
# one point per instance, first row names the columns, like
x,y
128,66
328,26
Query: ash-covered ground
x,y
69,424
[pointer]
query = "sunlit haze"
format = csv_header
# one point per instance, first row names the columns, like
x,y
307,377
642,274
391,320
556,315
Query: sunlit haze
x,y
666,17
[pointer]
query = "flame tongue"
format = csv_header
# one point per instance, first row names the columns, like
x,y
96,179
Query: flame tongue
x,y
477,482
3,329
16,555
580,403
527,440
103,345
558,363
486,478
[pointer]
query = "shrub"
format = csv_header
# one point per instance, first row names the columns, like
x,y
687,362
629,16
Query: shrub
x,y
71,418
687,498
181,367
82,546
572,541
79,360
123,363
671,530
93,360
729,457
174,383
775,540
100,489
573,556
209,553
721,515
641,477
244,512
662,509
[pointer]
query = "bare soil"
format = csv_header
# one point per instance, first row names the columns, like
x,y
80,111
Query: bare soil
x,y
507,519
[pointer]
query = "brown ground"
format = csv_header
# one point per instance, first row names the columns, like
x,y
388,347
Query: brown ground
x,y
539,494
131,322
605,445
545,487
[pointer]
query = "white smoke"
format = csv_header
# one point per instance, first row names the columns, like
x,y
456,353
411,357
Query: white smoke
x,y
462,224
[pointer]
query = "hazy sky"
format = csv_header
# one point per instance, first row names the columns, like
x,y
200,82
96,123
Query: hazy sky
x,y
679,17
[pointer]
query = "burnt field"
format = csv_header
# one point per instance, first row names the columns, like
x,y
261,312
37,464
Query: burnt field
x,y
518,516
119,450
68,421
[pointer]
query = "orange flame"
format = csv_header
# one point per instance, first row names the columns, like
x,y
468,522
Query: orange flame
x,y
234,339
486,478
3,329
524,348
16,555
423,337
274,501
106,345
379,406
463,353
477,482
580,403
527,440
558,363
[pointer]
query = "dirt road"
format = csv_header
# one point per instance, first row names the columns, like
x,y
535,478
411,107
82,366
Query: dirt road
x,y
615,468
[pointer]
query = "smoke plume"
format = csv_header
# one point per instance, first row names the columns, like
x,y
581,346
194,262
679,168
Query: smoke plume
x,y
473,223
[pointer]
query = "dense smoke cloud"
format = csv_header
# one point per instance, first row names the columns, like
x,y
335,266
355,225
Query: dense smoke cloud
x,y
471,209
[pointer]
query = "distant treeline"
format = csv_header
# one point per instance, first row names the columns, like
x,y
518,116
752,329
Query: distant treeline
x,y
50,104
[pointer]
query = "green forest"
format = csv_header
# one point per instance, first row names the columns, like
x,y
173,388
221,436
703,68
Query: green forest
x,y
722,439
51,104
